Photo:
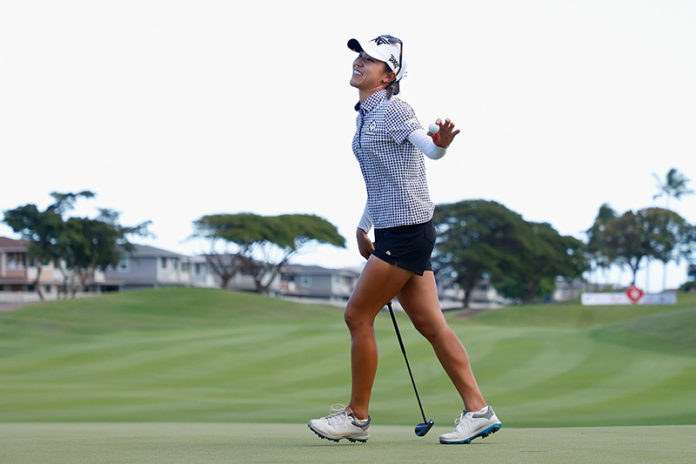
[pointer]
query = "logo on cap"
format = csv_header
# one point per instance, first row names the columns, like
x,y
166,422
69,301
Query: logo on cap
x,y
394,62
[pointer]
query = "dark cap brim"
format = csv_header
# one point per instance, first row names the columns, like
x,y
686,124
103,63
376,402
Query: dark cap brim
x,y
354,45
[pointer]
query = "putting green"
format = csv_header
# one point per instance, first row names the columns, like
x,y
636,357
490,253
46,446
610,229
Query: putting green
x,y
172,443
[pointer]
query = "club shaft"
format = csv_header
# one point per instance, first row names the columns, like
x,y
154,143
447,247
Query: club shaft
x,y
403,350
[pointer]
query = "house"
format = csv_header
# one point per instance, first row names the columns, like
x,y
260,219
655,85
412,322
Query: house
x,y
566,290
485,295
305,281
19,275
200,274
147,266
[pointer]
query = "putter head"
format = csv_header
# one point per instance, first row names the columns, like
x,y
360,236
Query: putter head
x,y
423,428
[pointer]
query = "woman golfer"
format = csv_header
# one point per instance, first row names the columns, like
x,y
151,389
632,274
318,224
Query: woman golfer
x,y
389,145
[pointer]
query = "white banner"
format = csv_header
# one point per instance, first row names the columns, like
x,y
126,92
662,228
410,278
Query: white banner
x,y
608,299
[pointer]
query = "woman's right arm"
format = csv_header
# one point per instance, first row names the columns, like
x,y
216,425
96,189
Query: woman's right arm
x,y
421,140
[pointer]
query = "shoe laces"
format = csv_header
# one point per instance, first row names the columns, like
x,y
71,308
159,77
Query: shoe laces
x,y
337,410
461,418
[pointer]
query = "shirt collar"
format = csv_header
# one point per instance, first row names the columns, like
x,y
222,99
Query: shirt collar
x,y
371,102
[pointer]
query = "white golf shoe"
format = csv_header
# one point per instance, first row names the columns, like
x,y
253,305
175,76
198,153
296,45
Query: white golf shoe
x,y
470,425
341,424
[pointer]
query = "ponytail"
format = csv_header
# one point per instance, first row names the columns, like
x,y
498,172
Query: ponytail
x,y
393,88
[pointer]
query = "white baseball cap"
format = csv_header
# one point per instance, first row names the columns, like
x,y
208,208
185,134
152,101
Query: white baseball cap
x,y
385,48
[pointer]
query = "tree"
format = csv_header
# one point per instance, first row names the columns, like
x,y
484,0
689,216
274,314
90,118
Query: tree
x,y
77,246
477,238
548,256
648,233
43,230
95,244
674,186
263,244
596,247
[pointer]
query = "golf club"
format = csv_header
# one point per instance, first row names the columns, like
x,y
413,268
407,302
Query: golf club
x,y
423,427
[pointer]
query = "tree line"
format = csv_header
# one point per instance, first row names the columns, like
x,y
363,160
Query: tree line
x,y
259,246
631,238
477,239
483,239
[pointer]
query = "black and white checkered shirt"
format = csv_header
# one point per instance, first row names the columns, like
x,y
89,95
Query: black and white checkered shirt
x,y
393,169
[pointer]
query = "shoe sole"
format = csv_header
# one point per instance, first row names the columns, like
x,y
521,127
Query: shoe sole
x,y
492,429
352,440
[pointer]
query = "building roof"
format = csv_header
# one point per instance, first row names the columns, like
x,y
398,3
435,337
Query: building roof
x,y
146,251
12,244
316,270
142,251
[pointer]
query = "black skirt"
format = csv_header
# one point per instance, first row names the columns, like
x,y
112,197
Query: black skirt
x,y
408,247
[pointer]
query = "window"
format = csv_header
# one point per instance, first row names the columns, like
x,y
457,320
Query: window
x,y
306,280
16,261
197,268
176,263
164,263
123,265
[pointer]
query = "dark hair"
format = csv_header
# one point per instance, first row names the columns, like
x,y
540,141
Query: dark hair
x,y
394,87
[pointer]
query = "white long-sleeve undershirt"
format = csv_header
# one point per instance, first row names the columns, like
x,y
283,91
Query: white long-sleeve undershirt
x,y
421,140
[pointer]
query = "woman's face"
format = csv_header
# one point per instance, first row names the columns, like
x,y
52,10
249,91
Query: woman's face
x,y
369,73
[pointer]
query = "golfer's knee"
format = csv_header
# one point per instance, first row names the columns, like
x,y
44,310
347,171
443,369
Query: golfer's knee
x,y
356,319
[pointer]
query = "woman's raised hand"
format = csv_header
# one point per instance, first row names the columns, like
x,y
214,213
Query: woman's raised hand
x,y
446,134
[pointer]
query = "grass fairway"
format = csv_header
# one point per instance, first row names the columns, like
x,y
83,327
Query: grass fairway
x,y
173,443
187,355
162,375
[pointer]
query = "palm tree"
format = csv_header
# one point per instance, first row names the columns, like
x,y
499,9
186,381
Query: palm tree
x,y
674,185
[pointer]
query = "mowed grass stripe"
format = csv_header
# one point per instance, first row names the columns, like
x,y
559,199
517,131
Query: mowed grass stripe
x,y
192,355
583,386
593,400
119,356
524,362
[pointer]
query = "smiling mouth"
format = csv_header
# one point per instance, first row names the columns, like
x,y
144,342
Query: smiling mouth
x,y
357,73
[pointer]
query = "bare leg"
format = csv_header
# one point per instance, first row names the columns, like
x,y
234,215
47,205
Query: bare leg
x,y
377,285
419,300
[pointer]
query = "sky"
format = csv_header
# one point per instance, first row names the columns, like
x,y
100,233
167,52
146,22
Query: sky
x,y
171,110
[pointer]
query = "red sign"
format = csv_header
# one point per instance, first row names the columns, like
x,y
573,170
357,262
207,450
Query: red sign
x,y
634,294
